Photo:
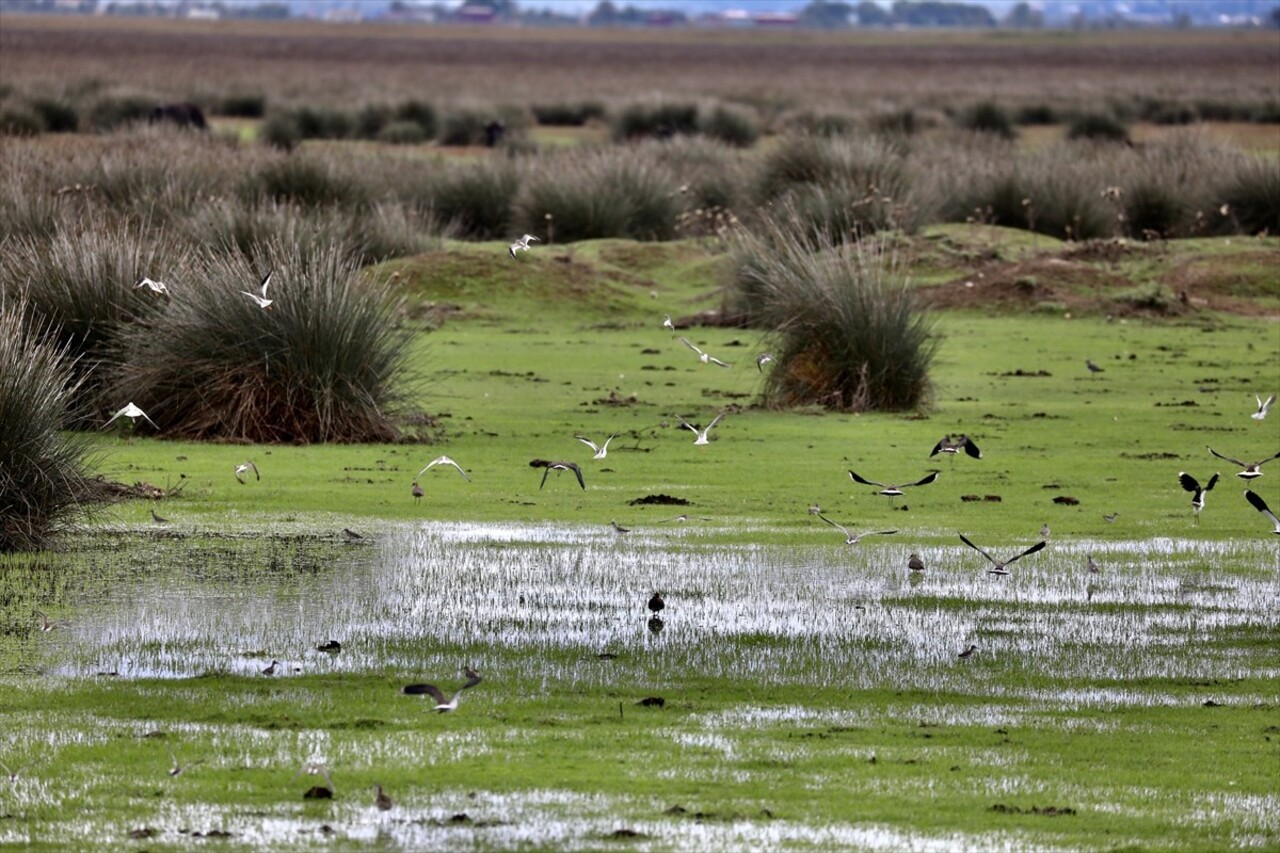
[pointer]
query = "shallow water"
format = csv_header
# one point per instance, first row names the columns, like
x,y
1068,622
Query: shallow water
x,y
551,597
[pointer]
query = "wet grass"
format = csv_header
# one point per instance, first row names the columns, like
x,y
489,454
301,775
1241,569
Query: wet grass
x,y
813,697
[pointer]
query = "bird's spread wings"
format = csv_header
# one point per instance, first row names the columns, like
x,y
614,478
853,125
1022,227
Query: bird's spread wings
x,y
1228,458
839,527
714,360
966,541
429,689
443,460
686,424
578,471
969,447
589,443
1261,506
924,482
865,482
1208,487
266,282
715,421
1189,483
690,345
1031,550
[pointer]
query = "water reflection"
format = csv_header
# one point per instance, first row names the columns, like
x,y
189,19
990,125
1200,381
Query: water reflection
x,y
546,600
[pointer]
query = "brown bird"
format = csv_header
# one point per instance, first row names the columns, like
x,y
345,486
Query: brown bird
x,y
548,467
158,519
383,801
417,493
968,652
271,670
915,564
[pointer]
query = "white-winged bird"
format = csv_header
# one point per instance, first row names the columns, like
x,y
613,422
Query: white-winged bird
x,y
702,356
854,538
132,412
600,450
443,460
893,490
1263,407
262,301
521,245
244,468
700,433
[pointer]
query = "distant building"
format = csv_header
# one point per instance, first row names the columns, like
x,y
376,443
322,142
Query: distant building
x,y
476,13
774,19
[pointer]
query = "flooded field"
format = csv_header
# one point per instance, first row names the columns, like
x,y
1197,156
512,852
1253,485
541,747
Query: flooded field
x,y
754,645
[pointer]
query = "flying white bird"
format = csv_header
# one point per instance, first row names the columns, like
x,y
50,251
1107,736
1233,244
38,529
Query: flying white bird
x,y
893,491
244,468
442,460
700,433
132,412
315,770
155,286
1264,406
667,324
521,245
702,356
1261,506
443,704
263,301
854,538
762,359
602,450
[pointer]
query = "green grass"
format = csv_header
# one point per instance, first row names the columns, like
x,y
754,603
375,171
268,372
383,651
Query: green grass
x,y
520,356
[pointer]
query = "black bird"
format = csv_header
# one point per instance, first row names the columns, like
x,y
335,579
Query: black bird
x,y
350,535
383,801
968,652
158,519
1191,484
893,491
1093,368
444,705
271,670
915,564
960,443
1261,506
1250,471
656,603
998,567
330,646
548,467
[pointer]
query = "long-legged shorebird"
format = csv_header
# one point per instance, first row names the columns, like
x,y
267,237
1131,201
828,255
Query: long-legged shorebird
x,y
600,450
158,519
271,670
702,356
1094,370
950,445
132,412
444,704
1261,506
244,468
1251,469
548,467
521,245
1191,484
656,603
892,490
153,285
700,433
262,301
1264,406
998,567
442,460
1092,566
967,653
851,538
417,493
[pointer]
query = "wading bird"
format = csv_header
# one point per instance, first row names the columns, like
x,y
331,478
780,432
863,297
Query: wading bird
x,y
132,412
1250,471
968,652
521,245
350,535
854,538
442,460
656,604
762,359
1094,370
244,468
602,450
263,302
417,493
1093,567
382,800
702,356
548,467
667,324
158,519
1261,506
998,567
444,705
1264,406
700,433
618,528
947,444
1044,530
915,564
271,670
153,285
893,491
1191,484
330,646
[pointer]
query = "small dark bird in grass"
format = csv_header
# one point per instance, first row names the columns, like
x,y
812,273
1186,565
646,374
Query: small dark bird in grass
x,y
1093,567
350,535
330,646
1110,519
417,493
618,528
656,604
967,653
383,801
915,564
271,670
158,519
1094,370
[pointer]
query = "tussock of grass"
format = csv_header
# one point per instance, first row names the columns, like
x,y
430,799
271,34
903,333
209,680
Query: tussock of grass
x,y
848,333
43,468
321,365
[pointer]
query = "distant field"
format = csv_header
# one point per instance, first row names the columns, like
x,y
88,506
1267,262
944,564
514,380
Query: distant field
x,y
305,60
